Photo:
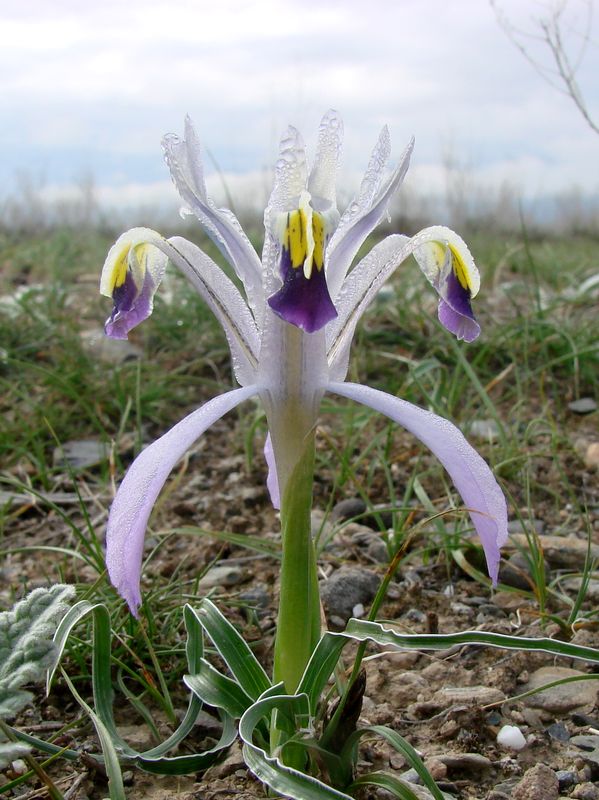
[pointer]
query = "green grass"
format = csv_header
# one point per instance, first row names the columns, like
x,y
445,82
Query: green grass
x,y
539,349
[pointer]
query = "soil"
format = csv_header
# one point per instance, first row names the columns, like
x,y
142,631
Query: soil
x,y
450,706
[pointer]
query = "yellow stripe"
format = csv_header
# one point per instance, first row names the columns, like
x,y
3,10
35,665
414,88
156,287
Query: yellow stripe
x,y
460,269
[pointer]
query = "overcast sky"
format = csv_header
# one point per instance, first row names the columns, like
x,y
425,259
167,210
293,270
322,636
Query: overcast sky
x,y
89,88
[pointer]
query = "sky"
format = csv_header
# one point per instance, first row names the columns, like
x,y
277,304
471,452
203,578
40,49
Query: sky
x,y
88,89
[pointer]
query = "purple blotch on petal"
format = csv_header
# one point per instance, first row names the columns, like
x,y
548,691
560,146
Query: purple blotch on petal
x,y
130,306
303,302
455,311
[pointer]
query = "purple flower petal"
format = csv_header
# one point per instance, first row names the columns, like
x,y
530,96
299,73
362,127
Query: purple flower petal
x,y
131,306
304,302
272,480
141,485
470,473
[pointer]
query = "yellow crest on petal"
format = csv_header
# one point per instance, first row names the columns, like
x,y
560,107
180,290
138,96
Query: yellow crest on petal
x,y
302,232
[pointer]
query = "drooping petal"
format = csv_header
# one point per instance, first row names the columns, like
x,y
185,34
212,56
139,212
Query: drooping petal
x,y
469,472
132,272
184,160
272,481
141,485
365,212
446,262
323,176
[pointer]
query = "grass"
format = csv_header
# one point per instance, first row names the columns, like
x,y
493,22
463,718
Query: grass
x,y
538,351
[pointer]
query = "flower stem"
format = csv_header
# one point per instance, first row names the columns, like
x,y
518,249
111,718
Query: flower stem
x,y
298,627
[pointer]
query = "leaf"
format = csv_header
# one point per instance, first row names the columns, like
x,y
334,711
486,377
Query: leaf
x,y
26,645
268,768
234,651
362,630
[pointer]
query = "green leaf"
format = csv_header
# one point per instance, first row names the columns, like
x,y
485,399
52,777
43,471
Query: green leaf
x,y
268,768
153,760
217,690
26,645
236,654
362,630
385,781
403,747
320,667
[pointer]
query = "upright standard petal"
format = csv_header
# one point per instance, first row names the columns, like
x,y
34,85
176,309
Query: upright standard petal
x,y
184,160
323,176
141,485
365,212
470,473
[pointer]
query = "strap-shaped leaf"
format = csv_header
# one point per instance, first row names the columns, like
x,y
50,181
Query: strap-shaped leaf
x,y
403,747
362,630
386,781
269,769
215,689
236,654
152,760
320,667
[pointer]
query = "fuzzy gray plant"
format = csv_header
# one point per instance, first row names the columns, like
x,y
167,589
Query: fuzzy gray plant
x,y
26,651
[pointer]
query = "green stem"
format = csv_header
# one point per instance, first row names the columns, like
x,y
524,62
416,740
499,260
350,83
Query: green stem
x,y
298,627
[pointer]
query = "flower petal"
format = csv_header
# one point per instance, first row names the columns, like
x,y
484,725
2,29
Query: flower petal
x,y
141,485
470,473
134,269
365,212
184,160
445,260
272,480
132,272
323,177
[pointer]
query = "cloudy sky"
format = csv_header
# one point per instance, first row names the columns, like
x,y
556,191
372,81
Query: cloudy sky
x,y
89,89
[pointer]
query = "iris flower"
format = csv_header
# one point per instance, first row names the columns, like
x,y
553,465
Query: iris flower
x,y
290,329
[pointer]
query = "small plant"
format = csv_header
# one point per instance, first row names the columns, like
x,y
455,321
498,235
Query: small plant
x,y
290,331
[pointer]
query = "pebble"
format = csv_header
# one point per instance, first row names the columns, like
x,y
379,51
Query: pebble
x,y
562,552
563,698
80,453
591,456
348,509
113,351
566,778
464,761
516,572
511,737
559,732
346,588
525,525
486,429
585,405
221,576
585,791
539,783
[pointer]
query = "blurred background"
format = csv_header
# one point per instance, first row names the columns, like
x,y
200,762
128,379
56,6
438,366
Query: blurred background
x,y
502,97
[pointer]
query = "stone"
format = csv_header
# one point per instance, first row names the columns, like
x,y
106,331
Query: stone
x,y
486,429
464,761
511,737
539,783
566,779
348,509
561,552
585,791
80,453
346,588
221,576
591,456
559,732
516,572
113,351
585,405
560,699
